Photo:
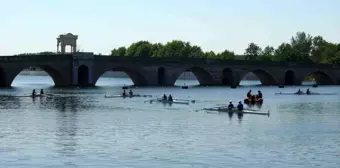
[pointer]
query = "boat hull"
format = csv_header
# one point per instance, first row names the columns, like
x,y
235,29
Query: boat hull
x,y
23,96
235,111
127,96
257,101
169,102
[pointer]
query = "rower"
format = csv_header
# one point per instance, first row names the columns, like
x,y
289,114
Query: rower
x,y
231,106
299,91
240,106
170,98
124,93
307,91
165,97
249,94
33,92
131,93
259,95
41,91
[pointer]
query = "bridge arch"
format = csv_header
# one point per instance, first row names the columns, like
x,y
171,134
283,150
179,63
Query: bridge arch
x,y
52,72
265,77
83,75
290,77
202,75
321,78
227,77
134,73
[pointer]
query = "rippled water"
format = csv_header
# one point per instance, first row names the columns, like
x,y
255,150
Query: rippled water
x,y
80,128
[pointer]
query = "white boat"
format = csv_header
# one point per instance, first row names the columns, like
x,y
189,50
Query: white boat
x,y
245,111
169,101
305,93
38,95
118,96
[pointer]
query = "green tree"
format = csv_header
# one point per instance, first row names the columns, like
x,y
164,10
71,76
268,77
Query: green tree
x,y
267,54
318,49
253,51
285,52
157,50
118,52
139,49
176,48
302,44
226,54
209,55
330,53
195,52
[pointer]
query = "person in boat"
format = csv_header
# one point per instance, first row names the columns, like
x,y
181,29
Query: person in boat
x,y
41,91
253,99
230,106
259,95
33,92
170,98
299,91
240,106
130,93
165,97
124,93
308,91
249,94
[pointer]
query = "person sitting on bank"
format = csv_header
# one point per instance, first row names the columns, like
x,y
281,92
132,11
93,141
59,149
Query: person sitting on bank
x,y
249,94
131,93
231,106
170,98
165,97
41,91
240,106
124,93
33,92
259,95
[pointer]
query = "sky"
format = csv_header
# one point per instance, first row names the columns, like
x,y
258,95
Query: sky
x,y
29,26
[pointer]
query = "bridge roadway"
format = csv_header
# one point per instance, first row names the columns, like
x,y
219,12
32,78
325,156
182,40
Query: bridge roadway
x,y
84,69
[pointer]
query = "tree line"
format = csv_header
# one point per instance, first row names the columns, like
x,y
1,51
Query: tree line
x,y
301,48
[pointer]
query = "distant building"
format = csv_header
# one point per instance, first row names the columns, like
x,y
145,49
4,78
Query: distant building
x,y
65,40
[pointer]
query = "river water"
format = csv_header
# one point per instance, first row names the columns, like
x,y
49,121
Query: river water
x,y
80,128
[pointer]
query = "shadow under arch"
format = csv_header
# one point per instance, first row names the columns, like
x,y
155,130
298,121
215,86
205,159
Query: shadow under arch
x,y
290,77
2,77
203,76
161,76
227,77
322,78
265,77
83,75
53,73
135,75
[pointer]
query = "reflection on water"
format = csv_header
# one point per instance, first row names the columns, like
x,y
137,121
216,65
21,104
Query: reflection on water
x,y
78,127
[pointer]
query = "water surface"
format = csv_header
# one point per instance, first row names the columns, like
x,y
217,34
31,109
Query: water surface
x,y
80,128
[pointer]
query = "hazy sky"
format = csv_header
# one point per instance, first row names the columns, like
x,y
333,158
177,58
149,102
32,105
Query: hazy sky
x,y
33,25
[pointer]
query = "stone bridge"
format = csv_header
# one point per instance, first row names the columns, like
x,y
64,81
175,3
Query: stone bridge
x,y
84,69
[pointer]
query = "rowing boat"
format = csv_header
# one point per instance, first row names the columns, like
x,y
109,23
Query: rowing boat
x,y
305,93
169,101
235,111
118,96
39,95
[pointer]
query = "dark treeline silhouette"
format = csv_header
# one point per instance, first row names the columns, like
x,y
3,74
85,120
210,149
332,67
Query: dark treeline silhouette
x,y
302,48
